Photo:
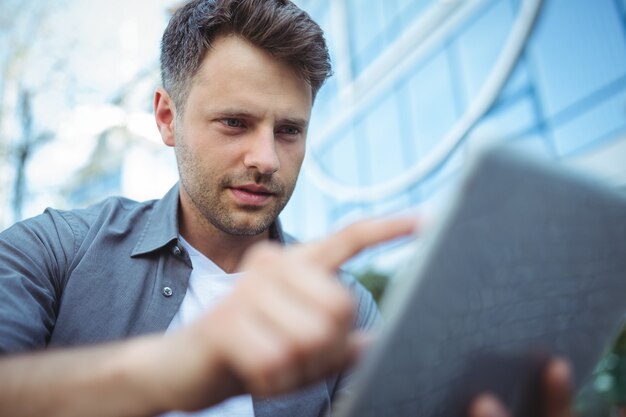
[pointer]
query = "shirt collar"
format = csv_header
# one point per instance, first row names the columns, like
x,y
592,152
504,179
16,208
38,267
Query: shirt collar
x,y
162,226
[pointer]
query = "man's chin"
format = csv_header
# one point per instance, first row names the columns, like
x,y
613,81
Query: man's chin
x,y
245,226
244,231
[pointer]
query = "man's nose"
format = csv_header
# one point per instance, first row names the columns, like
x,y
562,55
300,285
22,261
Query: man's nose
x,y
261,153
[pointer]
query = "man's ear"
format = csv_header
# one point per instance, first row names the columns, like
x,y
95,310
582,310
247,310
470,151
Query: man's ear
x,y
165,115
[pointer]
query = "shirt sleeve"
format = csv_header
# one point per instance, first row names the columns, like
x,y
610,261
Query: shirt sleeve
x,y
368,319
34,259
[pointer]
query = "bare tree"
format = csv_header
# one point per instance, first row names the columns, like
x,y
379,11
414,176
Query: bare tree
x,y
23,149
34,55
19,24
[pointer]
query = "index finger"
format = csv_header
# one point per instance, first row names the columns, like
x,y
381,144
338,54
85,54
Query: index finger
x,y
337,248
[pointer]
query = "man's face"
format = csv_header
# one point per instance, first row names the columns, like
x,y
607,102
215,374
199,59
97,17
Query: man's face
x,y
241,140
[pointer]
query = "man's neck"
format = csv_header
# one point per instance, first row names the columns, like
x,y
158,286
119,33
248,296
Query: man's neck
x,y
224,249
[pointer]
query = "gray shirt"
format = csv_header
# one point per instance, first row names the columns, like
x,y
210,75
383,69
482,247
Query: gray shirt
x,y
113,271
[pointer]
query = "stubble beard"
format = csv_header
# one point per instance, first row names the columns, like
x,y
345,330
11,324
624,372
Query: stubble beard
x,y
241,220
210,196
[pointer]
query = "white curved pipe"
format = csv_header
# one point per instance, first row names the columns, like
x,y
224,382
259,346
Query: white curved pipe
x,y
421,38
484,100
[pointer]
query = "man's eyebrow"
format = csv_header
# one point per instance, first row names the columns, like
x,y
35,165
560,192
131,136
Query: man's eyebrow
x,y
302,123
236,112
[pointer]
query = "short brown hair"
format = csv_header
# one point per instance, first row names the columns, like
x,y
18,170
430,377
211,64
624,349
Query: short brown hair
x,y
276,26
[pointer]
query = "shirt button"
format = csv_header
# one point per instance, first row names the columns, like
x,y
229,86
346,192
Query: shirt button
x,y
167,291
176,250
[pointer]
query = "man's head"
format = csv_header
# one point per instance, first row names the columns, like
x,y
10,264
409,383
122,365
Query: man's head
x,y
277,26
240,77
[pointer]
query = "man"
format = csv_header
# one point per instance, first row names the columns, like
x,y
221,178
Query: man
x,y
239,81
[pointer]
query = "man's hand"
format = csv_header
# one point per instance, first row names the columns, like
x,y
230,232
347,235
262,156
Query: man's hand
x,y
557,395
288,322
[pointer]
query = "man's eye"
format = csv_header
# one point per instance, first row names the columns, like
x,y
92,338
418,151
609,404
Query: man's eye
x,y
290,130
233,122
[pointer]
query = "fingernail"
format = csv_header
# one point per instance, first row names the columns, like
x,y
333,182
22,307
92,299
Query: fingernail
x,y
489,406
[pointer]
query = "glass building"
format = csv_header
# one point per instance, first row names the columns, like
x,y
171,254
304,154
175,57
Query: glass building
x,y
419,84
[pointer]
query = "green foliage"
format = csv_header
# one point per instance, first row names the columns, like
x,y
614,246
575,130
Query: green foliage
x,y
605,393
375,281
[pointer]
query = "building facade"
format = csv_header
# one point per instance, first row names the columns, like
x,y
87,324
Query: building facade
x,y
418,85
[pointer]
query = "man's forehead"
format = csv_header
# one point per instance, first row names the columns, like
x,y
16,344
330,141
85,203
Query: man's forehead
x,y
231,50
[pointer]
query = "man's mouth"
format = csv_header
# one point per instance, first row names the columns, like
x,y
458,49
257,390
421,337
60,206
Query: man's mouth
x,y
251,194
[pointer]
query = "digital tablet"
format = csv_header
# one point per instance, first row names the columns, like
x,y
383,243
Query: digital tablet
x,y
528,261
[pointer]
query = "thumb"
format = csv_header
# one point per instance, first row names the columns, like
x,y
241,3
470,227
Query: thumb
x,y
558,388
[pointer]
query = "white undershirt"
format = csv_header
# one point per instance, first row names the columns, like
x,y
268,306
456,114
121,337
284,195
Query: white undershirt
x,y
208,284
